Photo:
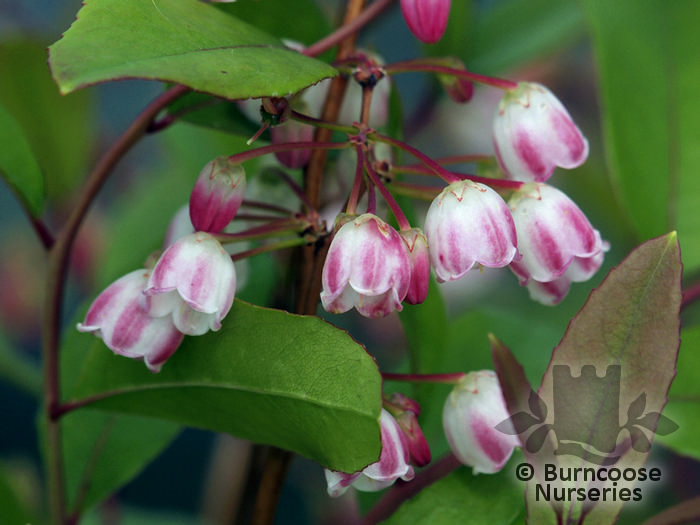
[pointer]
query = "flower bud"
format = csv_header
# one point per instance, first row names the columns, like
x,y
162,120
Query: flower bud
x,y
392,464
367,267
217,195
460,90
427,19
472,410
533,133
419,260
292,131
117,316
469,223
195,281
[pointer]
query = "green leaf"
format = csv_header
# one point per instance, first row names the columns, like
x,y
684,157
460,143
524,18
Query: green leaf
x,y
684,398
507,34
18,166
631,321
291,381
466,499
649,79
212,112
102,451
14,509
183,41
301,20
60,130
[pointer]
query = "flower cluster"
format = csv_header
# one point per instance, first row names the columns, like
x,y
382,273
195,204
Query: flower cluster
x,y
539,233
190,289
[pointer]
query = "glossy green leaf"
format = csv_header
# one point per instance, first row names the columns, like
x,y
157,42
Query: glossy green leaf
x,y
102,451
649,80
182,41
466,499
632,321
212,112
267,376
301,21
18,166
684,398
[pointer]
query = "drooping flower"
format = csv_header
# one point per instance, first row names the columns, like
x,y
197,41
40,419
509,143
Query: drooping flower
x,y
217,195
427,19
117,316
367,267
581,269
469,223
472,410
533,133
392,465
195,281
419,259
552,232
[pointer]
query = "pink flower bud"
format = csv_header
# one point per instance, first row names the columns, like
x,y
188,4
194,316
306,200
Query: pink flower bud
x,y
195,281
552,232
427,19
460,90
469,223
117,316
419,260
217,195
292,131
406,412
392,464
367,267
472,410
533,133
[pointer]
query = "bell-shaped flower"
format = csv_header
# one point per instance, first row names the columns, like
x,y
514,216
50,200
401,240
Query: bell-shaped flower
x,y
552,232
472,410
581,269
118,317
469,223
367,267
217,195
419,260
195,281
427,19
533,133
392,464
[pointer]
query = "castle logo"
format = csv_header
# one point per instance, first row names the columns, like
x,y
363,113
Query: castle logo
x,y
587,421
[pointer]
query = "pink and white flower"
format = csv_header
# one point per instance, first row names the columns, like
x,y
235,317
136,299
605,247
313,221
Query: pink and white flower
x,y
292,131
470,415
427,19
392,465
117,316
552,232
195,281
367,267
466,224
581,269
533,133
217,195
